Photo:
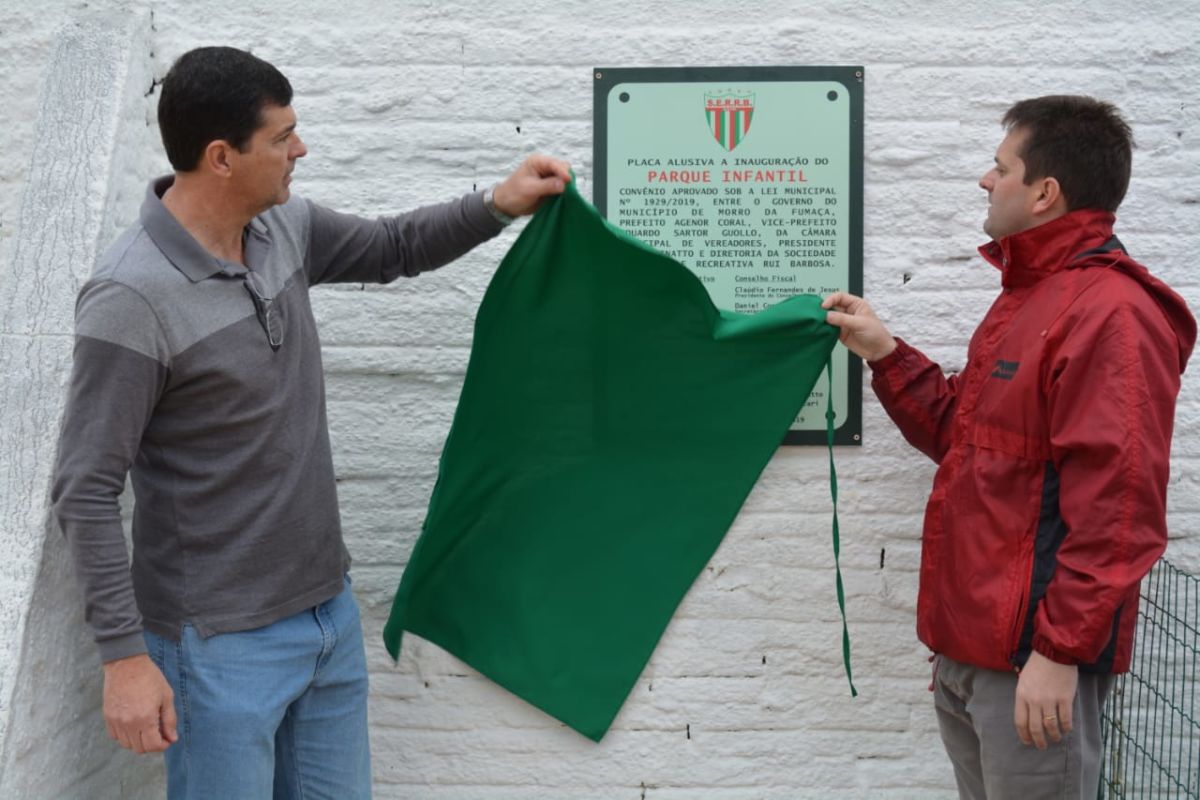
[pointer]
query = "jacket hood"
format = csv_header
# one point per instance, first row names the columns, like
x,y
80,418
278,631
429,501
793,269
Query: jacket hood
x,y
1083,239
1172,305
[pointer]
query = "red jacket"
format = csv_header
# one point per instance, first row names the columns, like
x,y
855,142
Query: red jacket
x,y
1053,446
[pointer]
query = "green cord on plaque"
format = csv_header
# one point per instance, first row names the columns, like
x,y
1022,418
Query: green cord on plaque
x,y
837,546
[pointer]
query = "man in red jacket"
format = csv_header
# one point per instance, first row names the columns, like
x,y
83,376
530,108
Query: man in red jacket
x,y
1052,445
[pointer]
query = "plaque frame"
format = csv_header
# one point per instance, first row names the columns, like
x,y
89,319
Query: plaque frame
x,y
851,77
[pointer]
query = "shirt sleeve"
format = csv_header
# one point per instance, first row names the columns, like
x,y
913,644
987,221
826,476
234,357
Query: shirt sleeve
x,y
918,397
343,248
118,375
1111,407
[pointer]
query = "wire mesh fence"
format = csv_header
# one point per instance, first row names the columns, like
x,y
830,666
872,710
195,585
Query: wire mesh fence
x,y
1151,723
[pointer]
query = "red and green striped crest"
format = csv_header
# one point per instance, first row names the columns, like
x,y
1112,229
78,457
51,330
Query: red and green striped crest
x,y
729,117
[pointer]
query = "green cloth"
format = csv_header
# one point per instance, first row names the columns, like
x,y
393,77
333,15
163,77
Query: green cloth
x,y
611,424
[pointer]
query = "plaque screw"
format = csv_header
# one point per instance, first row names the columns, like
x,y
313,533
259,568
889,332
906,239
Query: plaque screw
x,y
857,437
599,75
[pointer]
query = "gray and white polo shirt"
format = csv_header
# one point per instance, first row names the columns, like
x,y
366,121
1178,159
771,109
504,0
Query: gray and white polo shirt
x,y
202,378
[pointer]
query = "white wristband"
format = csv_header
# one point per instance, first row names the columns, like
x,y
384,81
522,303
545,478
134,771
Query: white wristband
x,y
489,203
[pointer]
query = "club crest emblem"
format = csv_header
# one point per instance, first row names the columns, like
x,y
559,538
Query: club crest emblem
x,y
729,116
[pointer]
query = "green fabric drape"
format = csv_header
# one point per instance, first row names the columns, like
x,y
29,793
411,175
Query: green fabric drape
x,y
611,424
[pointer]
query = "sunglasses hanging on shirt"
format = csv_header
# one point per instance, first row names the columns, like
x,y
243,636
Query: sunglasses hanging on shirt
x,y
264,307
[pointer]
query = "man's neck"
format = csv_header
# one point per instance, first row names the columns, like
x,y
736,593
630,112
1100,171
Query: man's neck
x,y
212,220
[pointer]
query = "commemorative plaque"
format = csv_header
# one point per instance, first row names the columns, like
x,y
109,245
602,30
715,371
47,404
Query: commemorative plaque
x,y
752,178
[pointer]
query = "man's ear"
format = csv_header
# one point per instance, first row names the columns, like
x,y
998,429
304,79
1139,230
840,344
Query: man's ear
x,y
1050,198
217,158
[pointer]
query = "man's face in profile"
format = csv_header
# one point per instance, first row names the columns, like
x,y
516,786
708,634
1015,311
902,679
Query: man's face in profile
x,y
1010,199
263,171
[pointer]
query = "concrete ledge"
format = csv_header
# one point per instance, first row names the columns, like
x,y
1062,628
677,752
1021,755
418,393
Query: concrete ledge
x,y
49,675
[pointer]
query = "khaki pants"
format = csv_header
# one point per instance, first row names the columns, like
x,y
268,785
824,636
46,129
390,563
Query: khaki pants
x,y
975,715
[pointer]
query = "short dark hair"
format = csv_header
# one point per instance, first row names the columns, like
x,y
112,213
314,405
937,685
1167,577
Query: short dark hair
x,y
215,93
1082,142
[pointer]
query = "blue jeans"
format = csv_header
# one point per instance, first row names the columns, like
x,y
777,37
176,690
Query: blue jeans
x,y
275,712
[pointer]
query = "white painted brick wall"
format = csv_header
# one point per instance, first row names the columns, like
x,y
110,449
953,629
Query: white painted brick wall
x,y
412,102
89,116
26,42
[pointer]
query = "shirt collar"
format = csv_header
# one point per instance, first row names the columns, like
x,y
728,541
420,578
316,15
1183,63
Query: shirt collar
x,y
179,246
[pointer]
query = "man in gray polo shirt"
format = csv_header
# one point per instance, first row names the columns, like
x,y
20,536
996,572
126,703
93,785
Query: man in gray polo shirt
x,y
234,643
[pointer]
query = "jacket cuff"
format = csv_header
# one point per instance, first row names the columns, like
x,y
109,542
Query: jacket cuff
x,y
131,644
1042,645
892,359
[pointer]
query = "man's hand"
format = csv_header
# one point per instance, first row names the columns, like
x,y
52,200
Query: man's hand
x,y
862,331
537,178
1045,697
139,706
